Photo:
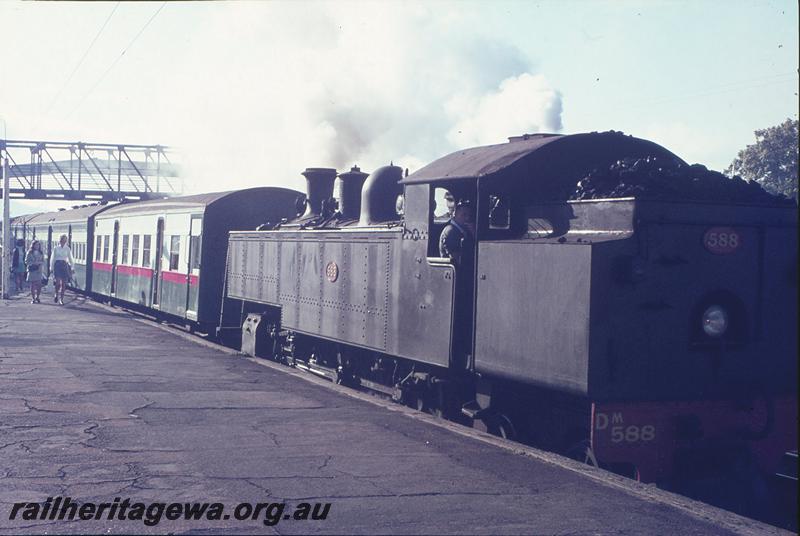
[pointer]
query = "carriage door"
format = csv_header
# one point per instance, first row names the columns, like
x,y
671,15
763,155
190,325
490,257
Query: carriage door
x,y
158,263
193,268
69,243
114,251
49,250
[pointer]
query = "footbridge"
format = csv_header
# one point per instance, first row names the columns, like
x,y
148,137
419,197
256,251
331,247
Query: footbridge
x,y
79,170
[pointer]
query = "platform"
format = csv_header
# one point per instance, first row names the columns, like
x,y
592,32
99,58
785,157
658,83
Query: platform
x,y
96,404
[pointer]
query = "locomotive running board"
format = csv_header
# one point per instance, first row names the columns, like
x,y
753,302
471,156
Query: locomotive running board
x,y
316,369
333,376
372,386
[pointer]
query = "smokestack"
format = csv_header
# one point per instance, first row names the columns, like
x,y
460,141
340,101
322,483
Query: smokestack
x,y
350,193
319,187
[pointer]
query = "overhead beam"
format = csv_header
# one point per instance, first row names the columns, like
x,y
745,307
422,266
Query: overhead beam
x,y
127,173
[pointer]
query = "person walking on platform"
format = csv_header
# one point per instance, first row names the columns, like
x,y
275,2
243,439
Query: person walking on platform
x,y
34,260
61,263
18,265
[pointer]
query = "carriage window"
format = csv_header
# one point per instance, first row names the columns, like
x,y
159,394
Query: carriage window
x,y
194,253
106,244
135,250
174,251
444,205
145,250
499,212
98,247
125,239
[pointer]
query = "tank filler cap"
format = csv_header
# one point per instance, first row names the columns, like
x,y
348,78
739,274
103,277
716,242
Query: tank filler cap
x,y
526,137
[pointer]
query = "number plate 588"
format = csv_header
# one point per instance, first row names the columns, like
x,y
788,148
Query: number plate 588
x,y
722,240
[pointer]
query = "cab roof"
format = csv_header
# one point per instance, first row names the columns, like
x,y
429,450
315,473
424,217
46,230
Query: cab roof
x,y
532,150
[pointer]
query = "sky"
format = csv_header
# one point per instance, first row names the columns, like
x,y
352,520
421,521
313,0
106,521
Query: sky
x,y
252,93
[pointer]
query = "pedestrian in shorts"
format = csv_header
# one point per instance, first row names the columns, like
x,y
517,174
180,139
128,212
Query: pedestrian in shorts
x,y
61,263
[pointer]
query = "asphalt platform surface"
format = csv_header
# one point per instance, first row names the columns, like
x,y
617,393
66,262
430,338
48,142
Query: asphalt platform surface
x,y
98,404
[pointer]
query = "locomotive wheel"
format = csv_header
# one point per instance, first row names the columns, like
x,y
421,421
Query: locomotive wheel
x,y
426,402
582,451
422,402
501,425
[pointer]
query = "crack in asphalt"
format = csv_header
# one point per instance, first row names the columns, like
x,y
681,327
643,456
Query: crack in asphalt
x,y
266,491
18,372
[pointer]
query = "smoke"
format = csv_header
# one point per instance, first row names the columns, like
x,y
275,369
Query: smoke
x,y
522,104
253,93
421,88
364,83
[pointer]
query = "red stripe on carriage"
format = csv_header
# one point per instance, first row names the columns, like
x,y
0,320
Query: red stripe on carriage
x,y
176,277
169,277
134,271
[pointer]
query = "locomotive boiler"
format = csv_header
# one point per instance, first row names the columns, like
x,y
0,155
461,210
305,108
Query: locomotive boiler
x,y
654,336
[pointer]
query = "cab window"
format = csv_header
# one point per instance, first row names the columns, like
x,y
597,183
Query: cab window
x,y
499,212
443,205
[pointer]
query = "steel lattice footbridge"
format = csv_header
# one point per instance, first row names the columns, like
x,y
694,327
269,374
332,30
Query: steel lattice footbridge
x,y
79,170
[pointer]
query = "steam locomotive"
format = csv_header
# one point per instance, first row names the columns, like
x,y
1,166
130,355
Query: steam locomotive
x,y
654,337
657,338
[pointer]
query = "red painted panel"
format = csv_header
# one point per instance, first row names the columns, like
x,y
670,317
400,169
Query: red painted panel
x,y
177,277
170,277
646,435
134,271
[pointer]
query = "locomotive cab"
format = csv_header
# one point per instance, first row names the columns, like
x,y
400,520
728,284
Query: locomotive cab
x,y
651,330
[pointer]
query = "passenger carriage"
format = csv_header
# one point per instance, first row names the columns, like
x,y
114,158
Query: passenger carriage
x,y
168,255
78,225
21,230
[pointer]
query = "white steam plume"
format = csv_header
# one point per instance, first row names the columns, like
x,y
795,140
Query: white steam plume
x,y
253,93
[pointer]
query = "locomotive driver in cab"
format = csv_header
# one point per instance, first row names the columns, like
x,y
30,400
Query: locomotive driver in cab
x,y
457,241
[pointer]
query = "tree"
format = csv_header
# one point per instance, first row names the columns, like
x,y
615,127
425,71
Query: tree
x,y
771,160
